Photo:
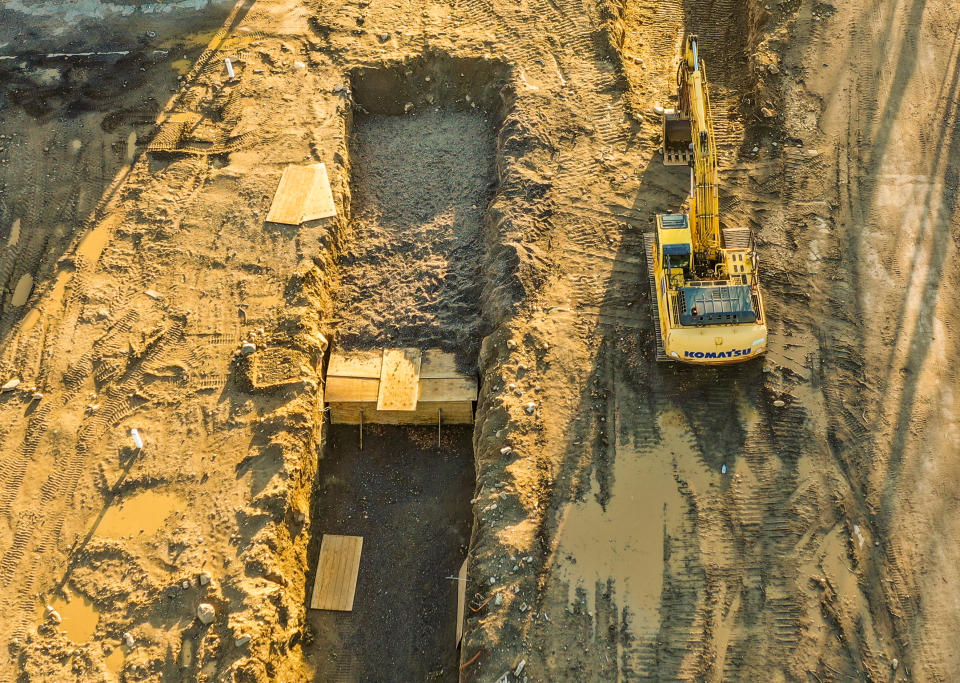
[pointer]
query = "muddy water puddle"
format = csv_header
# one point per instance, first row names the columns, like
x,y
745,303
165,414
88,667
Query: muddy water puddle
x,y
141,513
78,617
625,542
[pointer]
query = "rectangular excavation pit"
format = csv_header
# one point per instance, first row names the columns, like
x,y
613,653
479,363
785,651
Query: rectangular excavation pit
x,y
422,154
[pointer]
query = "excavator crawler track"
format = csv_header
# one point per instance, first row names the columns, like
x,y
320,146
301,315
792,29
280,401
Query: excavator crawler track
x,y
649,241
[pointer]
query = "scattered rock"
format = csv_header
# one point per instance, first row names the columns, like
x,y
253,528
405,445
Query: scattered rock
x,y
185,584
53,615
204,578
153,294
299,65
498,600
779,404
492,580
407,107
247,348
11,385
103,314
755,150
773,69
813,152
340,90
206,613
37,395
511,344
895,663
519,669
524,607
506,450
530,408
128,639
767,112
242,640
384,37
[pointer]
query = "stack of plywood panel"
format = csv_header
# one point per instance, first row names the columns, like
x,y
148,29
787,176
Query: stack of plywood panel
x,y
398,386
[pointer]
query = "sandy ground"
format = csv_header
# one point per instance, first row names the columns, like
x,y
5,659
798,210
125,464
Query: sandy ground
x,y
789,519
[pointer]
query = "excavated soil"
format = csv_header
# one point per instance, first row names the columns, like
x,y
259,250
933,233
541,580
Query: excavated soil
x,y
791,518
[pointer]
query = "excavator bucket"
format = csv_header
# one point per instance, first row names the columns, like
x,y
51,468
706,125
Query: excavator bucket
x,y
676,139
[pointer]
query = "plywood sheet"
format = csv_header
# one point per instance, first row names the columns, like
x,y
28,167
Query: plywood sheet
x,y
448,390
355,364
461,597
336,582
399,379
439,365
351,389
302,195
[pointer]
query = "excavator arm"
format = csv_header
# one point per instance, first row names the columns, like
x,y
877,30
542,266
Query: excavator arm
x,y
688,134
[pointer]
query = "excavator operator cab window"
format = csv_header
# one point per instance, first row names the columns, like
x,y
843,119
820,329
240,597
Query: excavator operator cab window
x,y
676,256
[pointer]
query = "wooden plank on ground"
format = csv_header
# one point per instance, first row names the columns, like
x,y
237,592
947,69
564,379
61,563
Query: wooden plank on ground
x,y
351,389
336,582
399,379
439,365
302,195
355,364
461,597
448,390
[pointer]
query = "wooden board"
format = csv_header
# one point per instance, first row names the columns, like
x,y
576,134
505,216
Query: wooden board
x,y
439,365
399,379
425,414
355,364
461,597
302,195
448,390
351,389
336,581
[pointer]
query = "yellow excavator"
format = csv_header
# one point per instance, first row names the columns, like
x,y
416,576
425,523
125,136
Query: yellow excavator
x,y
706,301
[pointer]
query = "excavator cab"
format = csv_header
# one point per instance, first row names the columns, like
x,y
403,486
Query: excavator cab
x,y
675,242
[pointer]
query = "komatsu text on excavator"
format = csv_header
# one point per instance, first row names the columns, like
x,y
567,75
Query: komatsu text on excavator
x,y
706,301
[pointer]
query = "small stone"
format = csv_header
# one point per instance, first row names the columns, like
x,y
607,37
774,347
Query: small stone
x,y
530,408
511,344
773,69
384,37
11,385
813,152
779,404
37,395
511,386
299,65
755,150
204,578
524,607
895,663
152,293
53,615
498,600
407,107
519,669
518,392
492,580
185,584
206,613
506,450
247,348
240,641
103,314
128,639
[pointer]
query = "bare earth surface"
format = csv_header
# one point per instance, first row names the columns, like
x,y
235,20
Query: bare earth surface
x,y
494,165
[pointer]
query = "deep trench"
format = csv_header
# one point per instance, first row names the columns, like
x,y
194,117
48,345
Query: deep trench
x,y
422,153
